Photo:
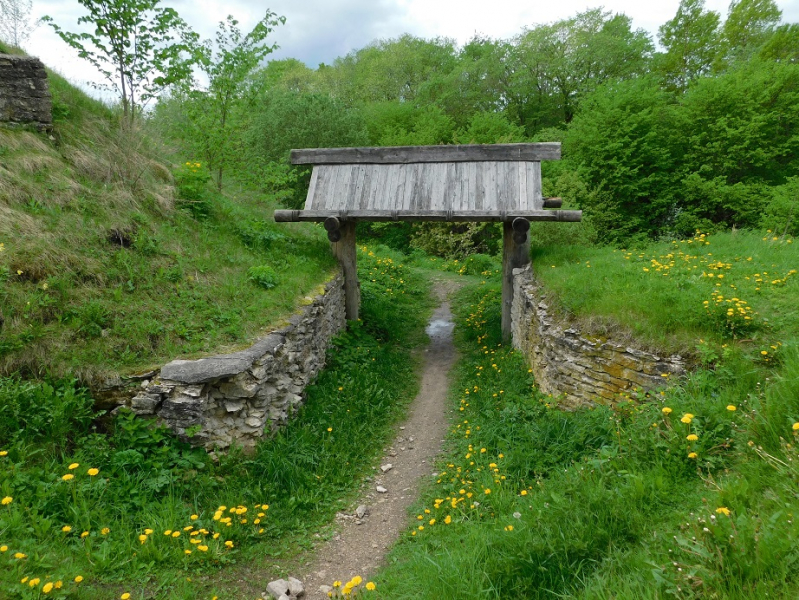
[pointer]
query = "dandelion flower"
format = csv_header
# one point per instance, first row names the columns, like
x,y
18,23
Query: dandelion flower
x,y
84,534
4,548
795,428
175,534
105,531
723,510
202,548
124,596
732,407
78,579
692,437
66,529
194,517
666,410
47,588
523,492
68,476
92,472
370,586
20,555
692,455
9,499
73,466
687,418
229,544
3,452
336,584
142,538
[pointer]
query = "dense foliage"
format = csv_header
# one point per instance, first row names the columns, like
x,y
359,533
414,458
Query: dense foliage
x,y
702,134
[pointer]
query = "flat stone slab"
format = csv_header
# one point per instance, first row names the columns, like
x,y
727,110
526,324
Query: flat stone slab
x,y
212,368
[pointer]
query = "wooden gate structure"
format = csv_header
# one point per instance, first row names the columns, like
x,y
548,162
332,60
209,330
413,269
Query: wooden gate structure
x,y
493,182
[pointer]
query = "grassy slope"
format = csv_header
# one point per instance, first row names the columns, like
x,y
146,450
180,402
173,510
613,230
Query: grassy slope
x,y
658,294
619,502
149,481
102,271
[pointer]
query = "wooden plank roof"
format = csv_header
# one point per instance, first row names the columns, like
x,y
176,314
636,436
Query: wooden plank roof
x,y
458,187
459,179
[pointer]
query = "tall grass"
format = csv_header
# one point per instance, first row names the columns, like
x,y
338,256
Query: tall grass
x,y
162,520
686,492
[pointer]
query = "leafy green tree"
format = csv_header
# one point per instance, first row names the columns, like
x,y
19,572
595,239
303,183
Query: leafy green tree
x,y
139,47
748,26
395,69
285,120
623,142
227,63
783,45
478,82
568,59
490,128
691,40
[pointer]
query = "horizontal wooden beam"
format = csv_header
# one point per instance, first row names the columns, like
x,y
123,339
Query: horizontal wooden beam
x,y
288,216
427,154
555,202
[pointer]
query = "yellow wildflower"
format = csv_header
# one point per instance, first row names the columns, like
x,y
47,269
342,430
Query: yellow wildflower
x,y
732,407
92,472
692,437
68,476
723,510
9,499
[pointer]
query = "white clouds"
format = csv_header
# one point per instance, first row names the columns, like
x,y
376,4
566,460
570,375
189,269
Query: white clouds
x,y
320,30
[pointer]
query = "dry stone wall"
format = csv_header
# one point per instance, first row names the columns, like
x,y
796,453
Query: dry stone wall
x,y
579,369
24,93
236,398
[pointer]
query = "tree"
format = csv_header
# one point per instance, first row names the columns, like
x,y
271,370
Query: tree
x,y
691,40
227,64
133,45
14,25
570,58
748,26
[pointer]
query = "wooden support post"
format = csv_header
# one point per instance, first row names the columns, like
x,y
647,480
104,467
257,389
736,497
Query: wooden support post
x,y
344,251
515,255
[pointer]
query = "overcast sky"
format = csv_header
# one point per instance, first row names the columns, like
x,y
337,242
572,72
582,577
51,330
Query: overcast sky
x,y
320,30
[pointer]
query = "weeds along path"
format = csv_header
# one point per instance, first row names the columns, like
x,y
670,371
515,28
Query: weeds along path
x,y
362,542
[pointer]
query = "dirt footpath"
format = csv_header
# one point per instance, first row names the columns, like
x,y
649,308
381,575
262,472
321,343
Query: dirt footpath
x,y
361,544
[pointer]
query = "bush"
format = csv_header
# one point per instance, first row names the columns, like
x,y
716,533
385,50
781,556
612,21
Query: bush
x,y
191,180
263,275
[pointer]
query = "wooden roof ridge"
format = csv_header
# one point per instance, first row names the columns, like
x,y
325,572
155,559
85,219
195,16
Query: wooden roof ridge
x,y
524,152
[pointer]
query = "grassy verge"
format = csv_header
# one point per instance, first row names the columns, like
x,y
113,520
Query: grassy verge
x,y
689,492
160,520
113,260
728,286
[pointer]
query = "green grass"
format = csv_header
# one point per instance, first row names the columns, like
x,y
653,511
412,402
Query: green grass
x,y
616,502
147,479
657,294
115,261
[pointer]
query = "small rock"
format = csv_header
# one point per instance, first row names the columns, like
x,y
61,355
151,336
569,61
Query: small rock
x,y
277,588
380,489
517,515
284,597
374,546
402,428
392,453
296,589
410,439
386,468
361,511
325,589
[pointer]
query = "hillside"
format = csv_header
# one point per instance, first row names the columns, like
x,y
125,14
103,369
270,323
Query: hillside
x,y
115,258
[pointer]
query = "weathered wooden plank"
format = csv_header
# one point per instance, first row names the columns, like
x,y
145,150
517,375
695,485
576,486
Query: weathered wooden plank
x,y
524,200
285,216
368,188
312,188
471,191
479,186
421,154
489,187
357,187
555,202
534,175
437,175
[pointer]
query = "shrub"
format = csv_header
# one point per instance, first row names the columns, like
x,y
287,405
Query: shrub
x,y
263,275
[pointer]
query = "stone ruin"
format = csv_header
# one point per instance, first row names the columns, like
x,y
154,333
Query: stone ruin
x,y
24,93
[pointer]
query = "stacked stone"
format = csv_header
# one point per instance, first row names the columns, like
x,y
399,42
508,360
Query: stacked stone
x,y
24,93
234,398
579,369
